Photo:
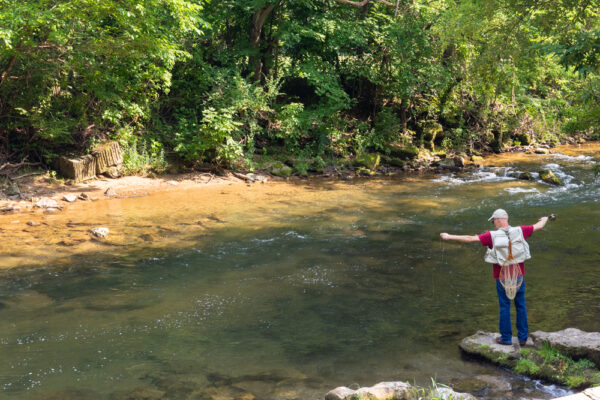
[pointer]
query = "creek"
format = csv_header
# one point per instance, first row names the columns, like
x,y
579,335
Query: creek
x,y
287,290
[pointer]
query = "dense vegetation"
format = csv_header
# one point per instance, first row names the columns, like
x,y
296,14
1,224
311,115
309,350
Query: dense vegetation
x,y
235,83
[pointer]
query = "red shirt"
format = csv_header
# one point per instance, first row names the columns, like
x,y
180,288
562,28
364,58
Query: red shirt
x,y
486,240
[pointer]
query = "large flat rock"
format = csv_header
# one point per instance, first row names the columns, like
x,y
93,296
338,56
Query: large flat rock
x,y
551,360
483,344
573,342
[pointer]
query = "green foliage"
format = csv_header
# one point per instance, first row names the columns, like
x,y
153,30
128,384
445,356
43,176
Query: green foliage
x,y
527,367
77,68
139,159
310,78
416,392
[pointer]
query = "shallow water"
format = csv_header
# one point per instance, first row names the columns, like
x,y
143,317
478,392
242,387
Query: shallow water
x,y
286,291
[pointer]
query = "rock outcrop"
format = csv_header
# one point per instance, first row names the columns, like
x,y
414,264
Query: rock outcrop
x,y
105,158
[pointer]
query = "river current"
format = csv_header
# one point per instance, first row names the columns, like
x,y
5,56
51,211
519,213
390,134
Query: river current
x,y
287,290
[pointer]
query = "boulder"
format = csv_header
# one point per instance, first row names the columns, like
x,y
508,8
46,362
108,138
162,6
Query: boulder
x,y
107,155
403,152
573,342
459,162
100,232
391,390
475,158
541,150
444,393
12,190
385,390
525,176
381,391
339,393
280,169
46,203
77,168
70,198
114,172
105,158
549,177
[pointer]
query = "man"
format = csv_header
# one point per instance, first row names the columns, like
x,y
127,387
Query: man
x,y
492,241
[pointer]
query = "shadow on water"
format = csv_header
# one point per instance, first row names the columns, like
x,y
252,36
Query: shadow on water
x,y
290,300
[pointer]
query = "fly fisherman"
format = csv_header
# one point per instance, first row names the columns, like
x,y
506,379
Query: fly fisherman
x,y
497,243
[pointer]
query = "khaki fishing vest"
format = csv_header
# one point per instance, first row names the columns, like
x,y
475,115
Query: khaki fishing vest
x,y
500,239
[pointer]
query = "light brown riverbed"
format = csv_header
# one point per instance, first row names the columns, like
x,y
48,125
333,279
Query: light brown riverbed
x,y
150,214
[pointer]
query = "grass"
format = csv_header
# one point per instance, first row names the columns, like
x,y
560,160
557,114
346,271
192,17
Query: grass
x,y
428,393
550,364
527,367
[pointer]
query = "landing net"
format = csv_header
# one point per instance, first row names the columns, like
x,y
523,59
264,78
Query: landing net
x,y
511,277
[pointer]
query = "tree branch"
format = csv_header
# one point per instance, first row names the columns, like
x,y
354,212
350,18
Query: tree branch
x,y
364,2
7,70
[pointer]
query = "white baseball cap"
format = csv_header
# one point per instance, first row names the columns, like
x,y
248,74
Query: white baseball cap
x,y
499,214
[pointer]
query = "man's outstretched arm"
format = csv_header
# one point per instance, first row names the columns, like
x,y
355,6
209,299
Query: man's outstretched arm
x,y
460,238
540,224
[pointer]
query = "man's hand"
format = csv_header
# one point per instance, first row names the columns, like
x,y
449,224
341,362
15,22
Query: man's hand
x,y
444,236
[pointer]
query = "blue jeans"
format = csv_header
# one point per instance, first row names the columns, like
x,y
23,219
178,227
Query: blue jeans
x,y
504,323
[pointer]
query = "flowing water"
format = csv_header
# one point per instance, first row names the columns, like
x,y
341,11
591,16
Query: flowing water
x,y
287,290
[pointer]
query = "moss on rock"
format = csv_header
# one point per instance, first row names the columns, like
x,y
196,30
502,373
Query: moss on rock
x,y
549,177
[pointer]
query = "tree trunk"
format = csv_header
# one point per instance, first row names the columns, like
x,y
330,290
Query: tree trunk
x,y
258,21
